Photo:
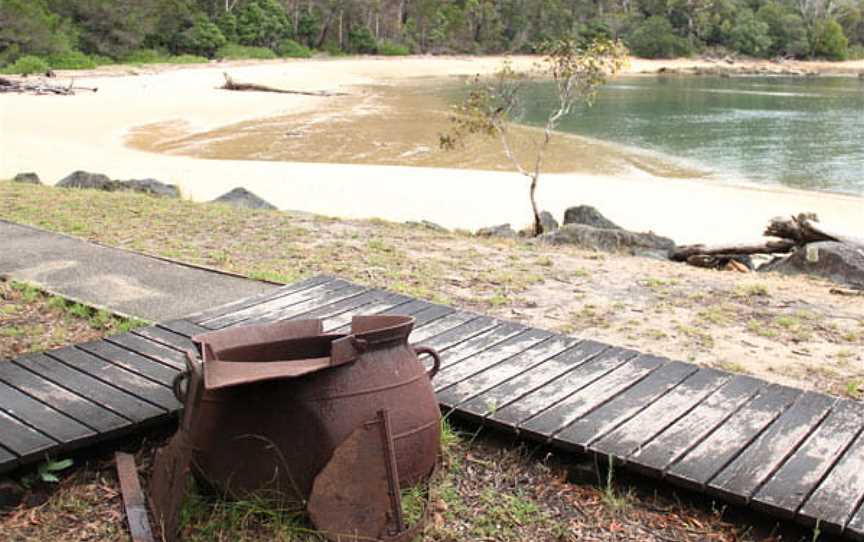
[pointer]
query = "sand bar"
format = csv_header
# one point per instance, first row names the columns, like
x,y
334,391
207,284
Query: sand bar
x,y
56,135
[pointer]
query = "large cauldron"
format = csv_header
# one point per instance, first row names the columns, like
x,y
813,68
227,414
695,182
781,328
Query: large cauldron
x,y
278,399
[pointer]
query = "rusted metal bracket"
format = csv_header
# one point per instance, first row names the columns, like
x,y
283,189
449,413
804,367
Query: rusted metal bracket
x,y
133,498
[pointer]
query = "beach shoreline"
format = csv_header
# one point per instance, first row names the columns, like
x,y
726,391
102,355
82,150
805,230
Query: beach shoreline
x,y
54,136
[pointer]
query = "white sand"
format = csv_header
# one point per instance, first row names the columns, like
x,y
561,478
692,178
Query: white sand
x,y
54,136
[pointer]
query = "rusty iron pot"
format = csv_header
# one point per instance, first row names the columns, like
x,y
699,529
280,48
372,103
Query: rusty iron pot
x,y
278,399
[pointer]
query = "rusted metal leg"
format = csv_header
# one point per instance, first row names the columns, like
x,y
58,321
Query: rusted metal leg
x,y
133,498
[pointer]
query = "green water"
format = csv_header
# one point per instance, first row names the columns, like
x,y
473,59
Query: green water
x,y
800,132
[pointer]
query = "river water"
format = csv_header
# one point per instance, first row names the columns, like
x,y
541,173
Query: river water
x,y
800,132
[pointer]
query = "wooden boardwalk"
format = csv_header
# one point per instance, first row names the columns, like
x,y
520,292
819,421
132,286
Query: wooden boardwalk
x,y
793,454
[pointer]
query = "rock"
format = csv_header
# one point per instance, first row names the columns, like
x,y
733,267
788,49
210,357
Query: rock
x,y
504,230
428,225
11,494
548,221
97,181
29,178
842,263
84,179
588,216
150,186
611,240
240,197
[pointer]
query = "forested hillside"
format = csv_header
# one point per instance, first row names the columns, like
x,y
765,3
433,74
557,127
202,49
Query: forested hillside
x,y
81,33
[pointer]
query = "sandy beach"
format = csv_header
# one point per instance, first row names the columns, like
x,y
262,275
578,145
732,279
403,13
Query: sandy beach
x,y
54,136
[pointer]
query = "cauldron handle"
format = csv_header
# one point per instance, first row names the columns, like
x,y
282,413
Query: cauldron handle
x,y
436,358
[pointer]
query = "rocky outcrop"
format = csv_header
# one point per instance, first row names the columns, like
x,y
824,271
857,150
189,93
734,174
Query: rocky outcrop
x,y
240,197
428,225
588,216
842,263
611,240
98,181
150,186
85,179
29,178
503,230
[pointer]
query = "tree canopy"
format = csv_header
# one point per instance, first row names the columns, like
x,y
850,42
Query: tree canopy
x,y
124,29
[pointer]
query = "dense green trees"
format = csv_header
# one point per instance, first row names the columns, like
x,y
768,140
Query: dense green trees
x,y
83,32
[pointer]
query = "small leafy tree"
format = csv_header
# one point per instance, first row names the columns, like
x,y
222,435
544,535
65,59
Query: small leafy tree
x,y
490,108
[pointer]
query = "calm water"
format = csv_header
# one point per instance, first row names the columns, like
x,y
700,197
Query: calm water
x,y
805,133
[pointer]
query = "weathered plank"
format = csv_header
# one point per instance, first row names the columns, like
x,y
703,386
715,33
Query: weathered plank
x,y
131,361
281,302
498,373
588,394
303,307
8,460
855,527
240,304
72,404
422,311
461,333
150,349
790,486
184,327
542,386
835,499
21,439
105,395
467,367
652,420
168,338
686,433
142,388
440,325
722,446
352,305
381,303
583,432
743,476
45,419
486,340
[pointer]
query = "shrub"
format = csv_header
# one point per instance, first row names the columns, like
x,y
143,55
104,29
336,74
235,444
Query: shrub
x,y
655,38
361,40
856,52
145,56
202,38
750,35
187,59
26,65
785,28
71,60
830,42
389,48
233,51
289,48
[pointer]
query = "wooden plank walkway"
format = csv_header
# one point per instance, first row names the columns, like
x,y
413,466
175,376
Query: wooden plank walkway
x,y
793,454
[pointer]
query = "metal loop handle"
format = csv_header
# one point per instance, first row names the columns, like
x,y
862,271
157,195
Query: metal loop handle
x,y
180,386
436,358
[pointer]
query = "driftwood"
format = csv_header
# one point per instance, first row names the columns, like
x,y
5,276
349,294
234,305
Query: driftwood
x,y
231,84
684,253
800,229
40,87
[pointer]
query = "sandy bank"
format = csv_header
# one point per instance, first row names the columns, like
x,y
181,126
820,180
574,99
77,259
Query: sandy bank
x,y
56,135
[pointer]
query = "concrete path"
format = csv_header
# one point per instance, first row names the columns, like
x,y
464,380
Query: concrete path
x,y
122,281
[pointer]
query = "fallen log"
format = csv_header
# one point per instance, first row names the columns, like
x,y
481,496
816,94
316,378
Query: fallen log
x,y
800,228
41,87
684,253
231,84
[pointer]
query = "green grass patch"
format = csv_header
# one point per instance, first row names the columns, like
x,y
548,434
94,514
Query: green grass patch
x,y
233,51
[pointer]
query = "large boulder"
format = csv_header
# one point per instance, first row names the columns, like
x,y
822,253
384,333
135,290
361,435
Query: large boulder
x,y
240,197
611,240
548,222
150,186
29,178
588,216
85,179
842,263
